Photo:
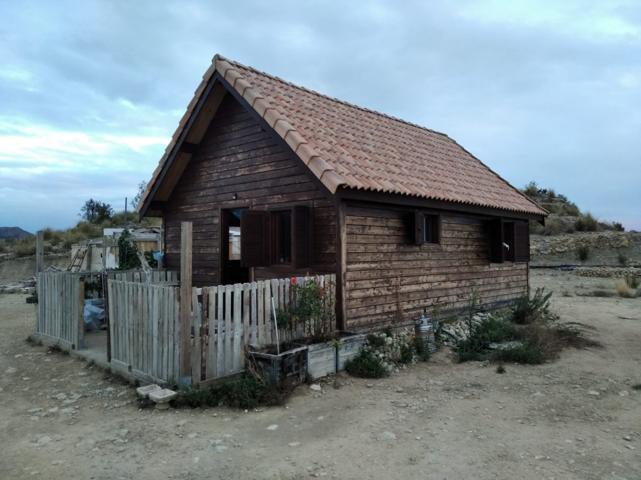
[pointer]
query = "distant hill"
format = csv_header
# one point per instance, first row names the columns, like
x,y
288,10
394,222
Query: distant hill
x,y
13,233
565,216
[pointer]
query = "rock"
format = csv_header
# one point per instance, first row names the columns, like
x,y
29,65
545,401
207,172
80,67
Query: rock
x,y
315,387
162,397
11,370
272,427
44,440
192,435
594,393
389,436
293,444
143,392
627,438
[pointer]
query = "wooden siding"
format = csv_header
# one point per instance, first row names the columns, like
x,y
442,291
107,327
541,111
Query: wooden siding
x,y
238,157
389,280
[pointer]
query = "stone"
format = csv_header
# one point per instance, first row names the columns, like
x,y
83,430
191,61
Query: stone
x,y
315,387
389,436
594,393
294,444
162,397
143,392
272,427
44,440
11,370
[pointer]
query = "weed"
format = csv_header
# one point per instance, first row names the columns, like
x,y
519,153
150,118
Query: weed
x,y
636,386
492,329
622,259
586,223
632,281
243,391
366,365
528,353
598,293
623,289
500,369
583,253
407,353
528,310
375,341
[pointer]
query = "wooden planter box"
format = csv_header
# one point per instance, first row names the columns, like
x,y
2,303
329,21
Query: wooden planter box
x,y
321,359
288,366
348,348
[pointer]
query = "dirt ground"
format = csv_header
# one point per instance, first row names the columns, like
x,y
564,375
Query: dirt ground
x,y
575,418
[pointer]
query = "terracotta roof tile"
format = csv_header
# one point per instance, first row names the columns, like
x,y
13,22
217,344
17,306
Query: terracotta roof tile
x,y
352,147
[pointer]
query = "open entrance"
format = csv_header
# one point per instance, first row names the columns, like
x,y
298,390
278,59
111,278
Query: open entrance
x,y
231,269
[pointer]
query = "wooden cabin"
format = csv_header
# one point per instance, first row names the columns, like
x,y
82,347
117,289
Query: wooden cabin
x,y
279,180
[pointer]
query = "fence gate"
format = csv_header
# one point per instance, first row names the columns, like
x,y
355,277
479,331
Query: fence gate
x,y
60,307
144,329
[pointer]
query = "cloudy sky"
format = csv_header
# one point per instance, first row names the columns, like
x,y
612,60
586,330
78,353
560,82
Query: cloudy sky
x,y
91,91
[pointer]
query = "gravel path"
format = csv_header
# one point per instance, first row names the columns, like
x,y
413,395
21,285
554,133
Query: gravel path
x,y
576,418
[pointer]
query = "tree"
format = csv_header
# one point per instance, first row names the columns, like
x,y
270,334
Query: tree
x,y
95,211
127,252
142,186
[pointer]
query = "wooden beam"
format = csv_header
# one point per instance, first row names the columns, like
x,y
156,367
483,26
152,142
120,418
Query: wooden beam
x,y
40,238
341,266
398,200
188,147
185,301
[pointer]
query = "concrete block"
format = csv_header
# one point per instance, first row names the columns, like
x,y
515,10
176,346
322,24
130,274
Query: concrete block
x,y
144,392
162,397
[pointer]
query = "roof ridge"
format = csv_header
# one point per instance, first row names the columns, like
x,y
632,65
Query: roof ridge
x,y
328,97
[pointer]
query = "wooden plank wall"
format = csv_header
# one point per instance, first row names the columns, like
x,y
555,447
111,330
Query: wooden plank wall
x,y
60,308
144,330
155,276
389,280
227,318
237,157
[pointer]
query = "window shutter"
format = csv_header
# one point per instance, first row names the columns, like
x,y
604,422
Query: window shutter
x,y
521,242
419,228
495,240
254,235
302,236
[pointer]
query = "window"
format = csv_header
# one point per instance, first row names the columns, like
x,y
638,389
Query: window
x,y
281,223
426,228
508,240
276,237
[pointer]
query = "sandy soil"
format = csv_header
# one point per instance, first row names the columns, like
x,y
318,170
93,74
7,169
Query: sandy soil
x,y
575,418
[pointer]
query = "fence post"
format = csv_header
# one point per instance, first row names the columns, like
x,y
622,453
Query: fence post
x,y
39,251
185,302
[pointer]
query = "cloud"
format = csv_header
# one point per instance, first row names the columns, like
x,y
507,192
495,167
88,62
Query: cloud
x,y
548,91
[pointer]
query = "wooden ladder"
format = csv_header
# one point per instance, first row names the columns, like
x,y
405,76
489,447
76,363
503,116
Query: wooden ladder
x,y
78,259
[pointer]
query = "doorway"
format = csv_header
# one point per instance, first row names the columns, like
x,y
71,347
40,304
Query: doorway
x,y
231,271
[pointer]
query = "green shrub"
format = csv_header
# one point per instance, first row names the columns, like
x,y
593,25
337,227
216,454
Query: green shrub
x,y
622,259
407,353
490,330
583,253
366,365
243,391
586,223
422,351
527,353
528,310
375,341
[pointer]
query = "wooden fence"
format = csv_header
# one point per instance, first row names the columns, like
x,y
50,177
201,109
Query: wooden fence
x,y
145,330
227,318
60,307
153,276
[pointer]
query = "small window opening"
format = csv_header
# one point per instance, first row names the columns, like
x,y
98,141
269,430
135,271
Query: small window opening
x,y
282,232
430,228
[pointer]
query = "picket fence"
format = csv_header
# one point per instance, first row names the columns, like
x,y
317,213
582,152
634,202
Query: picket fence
x,y
228,318
60,307
144,330
152,276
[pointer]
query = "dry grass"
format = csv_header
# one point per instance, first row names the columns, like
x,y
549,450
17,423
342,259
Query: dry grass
x,y
627,287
